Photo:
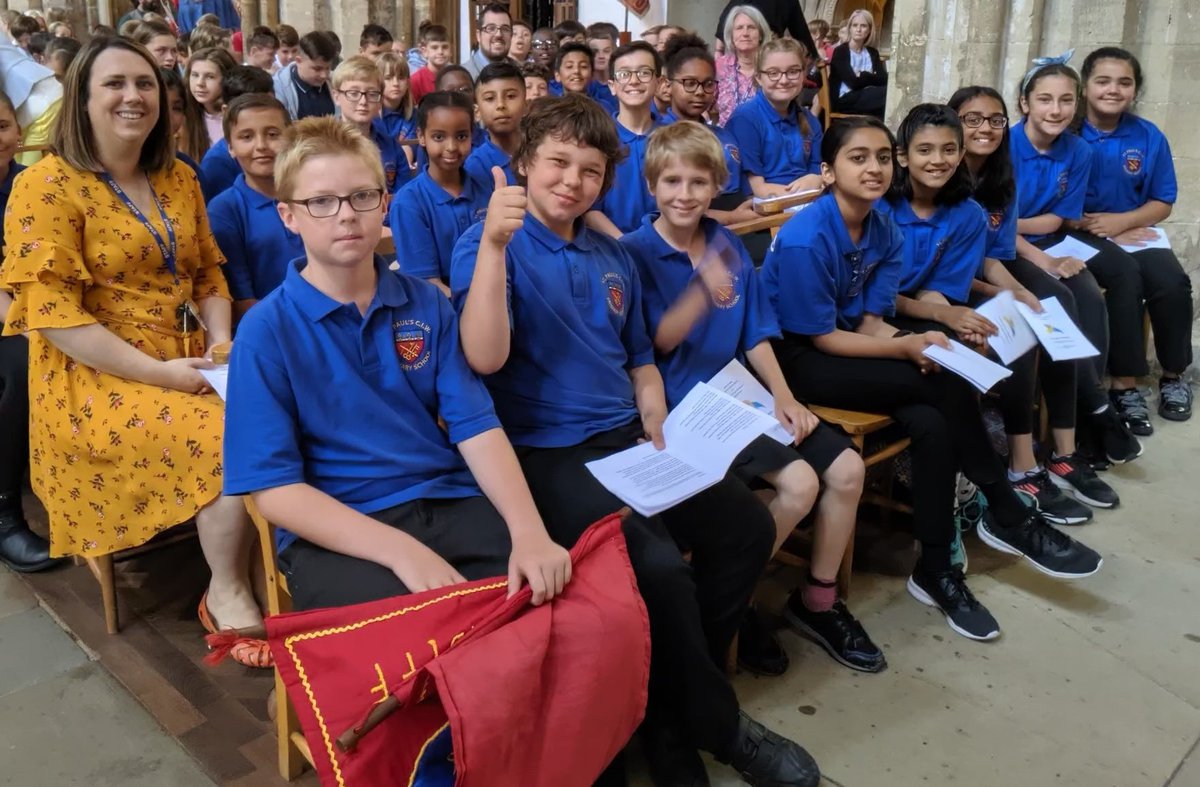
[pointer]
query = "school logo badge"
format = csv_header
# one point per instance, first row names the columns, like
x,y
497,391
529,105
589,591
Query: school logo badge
x,y
807,147
995,219
1133,161
726,296
1064,183
940,251
614,286
734,154
389,174
479,215
412,343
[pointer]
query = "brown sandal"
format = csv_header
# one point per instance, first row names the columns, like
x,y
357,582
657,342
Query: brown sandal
x,y
245,646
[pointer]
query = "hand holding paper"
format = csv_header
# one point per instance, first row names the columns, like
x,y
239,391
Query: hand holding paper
x,y
737,381
1057,332
1014,337
1140,238
218,379
968,364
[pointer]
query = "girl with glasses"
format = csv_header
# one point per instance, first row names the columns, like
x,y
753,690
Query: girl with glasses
x,y
779,140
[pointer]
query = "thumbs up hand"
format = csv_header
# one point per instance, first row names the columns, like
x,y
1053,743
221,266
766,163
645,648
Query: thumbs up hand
x,y
505,212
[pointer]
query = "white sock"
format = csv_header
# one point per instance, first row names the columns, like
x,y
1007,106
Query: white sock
x,y
1020,475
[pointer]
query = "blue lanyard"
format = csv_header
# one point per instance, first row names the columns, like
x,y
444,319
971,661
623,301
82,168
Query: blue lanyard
x,y
168,249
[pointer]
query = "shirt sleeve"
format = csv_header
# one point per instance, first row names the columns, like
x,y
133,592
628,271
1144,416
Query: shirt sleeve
x,y
879,295
760,321
463,400
1079,170
230,234
805,287
44,264
749,141
1004,241
218,171
1162,185
262,418
412,231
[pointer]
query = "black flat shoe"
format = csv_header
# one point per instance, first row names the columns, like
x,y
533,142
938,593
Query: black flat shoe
x,y
759,651
767,759
20,548
672,761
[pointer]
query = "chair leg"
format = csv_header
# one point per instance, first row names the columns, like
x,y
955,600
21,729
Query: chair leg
x,y
102,568
291,760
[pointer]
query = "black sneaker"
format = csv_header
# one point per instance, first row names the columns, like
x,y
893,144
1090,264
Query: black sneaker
x,y
947,591
758,649
1134,411
671,760
766,758
1040,493
1076,477
1050,551
838,632
1114,437
1174,399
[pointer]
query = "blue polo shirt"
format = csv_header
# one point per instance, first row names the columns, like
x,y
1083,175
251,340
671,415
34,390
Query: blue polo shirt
x,y
256,245
1052,182
738,319
394,124
320,394
1002,231
1131,165
218,170
944,252
5,190
597,91
629,199
773,146
729,144
479,165
818,280
427,221
577,329
396,171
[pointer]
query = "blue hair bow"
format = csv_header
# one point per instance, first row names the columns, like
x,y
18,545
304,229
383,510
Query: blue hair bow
x,y
1041,62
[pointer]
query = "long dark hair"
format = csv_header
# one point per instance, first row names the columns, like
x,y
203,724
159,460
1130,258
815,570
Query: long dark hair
x,y
959,186
839,133
995,185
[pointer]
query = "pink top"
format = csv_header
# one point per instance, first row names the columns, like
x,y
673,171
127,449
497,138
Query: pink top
x,y
734,88
216,131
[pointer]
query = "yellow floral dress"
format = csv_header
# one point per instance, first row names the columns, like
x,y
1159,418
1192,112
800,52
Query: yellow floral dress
x,y
114,461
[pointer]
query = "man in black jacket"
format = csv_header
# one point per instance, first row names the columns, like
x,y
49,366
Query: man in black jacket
x,y
783,16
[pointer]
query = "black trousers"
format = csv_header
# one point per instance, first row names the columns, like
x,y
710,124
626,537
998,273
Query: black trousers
x,y
865,101
694,610
468,533
939,412
1153,277
1083,300
1058,378
14,412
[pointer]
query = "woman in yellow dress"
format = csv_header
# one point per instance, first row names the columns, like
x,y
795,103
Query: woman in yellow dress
x,y
115,277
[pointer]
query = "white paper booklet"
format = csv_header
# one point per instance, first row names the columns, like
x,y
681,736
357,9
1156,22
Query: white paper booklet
x,y
968,364
1069,247
703,435
737,381
1160,242
218,379
1015,337
1057,332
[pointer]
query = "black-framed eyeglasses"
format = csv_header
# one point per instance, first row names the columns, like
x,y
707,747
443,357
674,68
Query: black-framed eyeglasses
x,y
691,85
625,75
775,74
544,44
327,205
976,119
494,28
372,96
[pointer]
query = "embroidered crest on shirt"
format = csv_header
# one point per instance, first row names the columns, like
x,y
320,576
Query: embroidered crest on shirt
x,y
389,174
1064,183
733,153
614,286
726,296
1133,161
995,219
940,251
412,343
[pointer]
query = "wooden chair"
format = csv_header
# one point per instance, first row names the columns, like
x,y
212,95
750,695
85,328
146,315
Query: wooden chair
x,y
825,100
103,569
292,748
387,244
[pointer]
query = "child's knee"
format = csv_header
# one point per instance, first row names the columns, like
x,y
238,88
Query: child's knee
x,y
798,486
846,475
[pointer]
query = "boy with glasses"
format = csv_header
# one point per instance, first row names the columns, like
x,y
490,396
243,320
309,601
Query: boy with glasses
x,y
544,49
370,508
635,80
494,32
358,94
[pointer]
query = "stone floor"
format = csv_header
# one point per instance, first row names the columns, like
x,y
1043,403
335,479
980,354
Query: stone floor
x,y
1094,683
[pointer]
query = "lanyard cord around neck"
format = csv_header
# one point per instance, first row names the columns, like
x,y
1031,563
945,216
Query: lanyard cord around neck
x,y
168,248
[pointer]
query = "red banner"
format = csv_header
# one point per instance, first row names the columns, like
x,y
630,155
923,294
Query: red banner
x,y
535,696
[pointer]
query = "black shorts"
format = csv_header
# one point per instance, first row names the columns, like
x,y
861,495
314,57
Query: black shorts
x,y
468,533
820,449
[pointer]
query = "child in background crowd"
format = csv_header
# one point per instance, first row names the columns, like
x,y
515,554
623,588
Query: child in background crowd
x,y
261,49
219,168
206,73
435,49
537,81
500,105
358,94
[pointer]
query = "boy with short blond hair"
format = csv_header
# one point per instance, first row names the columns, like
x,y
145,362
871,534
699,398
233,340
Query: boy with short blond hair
x,y
435,48
552,314
369,508
358,95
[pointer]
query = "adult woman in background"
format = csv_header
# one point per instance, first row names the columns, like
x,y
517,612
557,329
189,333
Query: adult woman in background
x,y
115,277
744,34
857,75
